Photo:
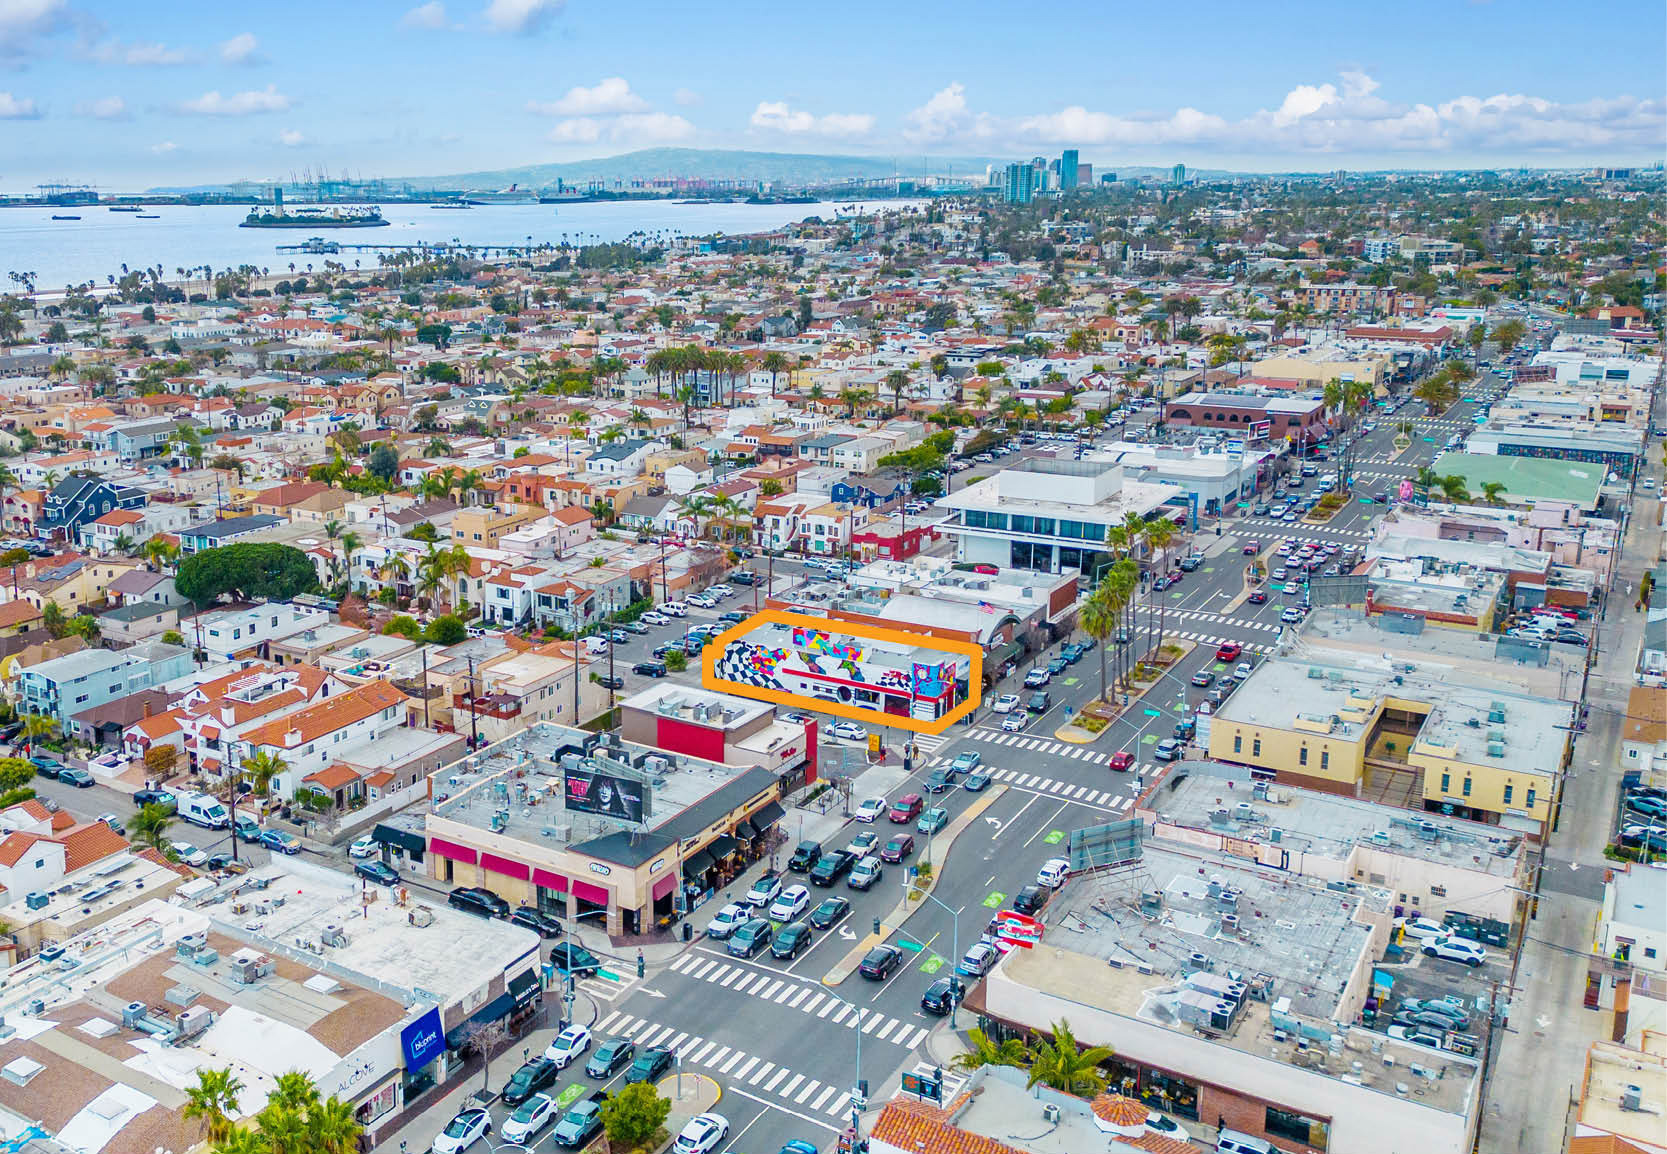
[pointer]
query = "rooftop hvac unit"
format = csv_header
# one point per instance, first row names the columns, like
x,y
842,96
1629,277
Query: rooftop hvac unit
x,y
132,1014
1200,959
36,900
1496,749
192,1022
1632,1099
334,936
1050,1112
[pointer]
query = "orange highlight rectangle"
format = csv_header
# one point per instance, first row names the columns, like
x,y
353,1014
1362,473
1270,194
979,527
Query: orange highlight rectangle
x,y
975,677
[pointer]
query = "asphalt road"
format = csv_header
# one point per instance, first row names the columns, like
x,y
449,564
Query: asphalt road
x,y
783,1044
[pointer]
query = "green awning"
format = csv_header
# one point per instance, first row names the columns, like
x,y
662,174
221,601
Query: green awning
x,y
1012,651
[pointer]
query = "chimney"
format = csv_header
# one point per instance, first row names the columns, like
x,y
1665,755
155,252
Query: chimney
x,y
292,738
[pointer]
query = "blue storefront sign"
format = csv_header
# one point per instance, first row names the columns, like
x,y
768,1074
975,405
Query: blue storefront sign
x,y
421,1041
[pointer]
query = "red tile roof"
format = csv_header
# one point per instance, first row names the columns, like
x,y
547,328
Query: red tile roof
x,y
327,716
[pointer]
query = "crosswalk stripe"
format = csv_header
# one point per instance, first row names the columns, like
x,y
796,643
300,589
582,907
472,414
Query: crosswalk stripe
x,y
700,1054
829,1008
630,1029
732,976
810,1087
734,1057
683,962
746,980
608,1021
742,1072
844,1009
793,1085
823,1097
785,994
761,1073
815,1000
717,975
703,969
774,986
890,1026
872,1021
676,1042
652,1040
781,1072
797,998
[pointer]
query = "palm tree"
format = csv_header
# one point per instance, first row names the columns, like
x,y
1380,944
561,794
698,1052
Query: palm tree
x,y
897,380
262,767
775,364
694,507
294,1091
1122,581
213,1101
1060,1064
1491,491
150,826
332,1128
242,1140
38,726
84,626
1159,534
987,1052
350,543
1099,617
1452,488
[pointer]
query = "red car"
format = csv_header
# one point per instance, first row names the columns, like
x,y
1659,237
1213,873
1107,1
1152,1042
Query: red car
x,y
1251,548
1229,651
1122,760
1259,597
907,808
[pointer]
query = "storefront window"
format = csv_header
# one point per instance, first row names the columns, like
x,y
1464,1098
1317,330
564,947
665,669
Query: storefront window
x,y
1298,1127
1161,1091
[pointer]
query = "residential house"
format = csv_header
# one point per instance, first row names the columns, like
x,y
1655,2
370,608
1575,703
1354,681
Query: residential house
x,y
136,525
81,681
78,500
315,737
486,527
213,534
224,633
620,459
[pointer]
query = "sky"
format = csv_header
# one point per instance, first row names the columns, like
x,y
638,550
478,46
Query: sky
x,y
152,92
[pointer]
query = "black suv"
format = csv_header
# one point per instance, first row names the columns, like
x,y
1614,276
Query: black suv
x,y
1031,899
532,1077
834,864
537,921
572,959
474,900
161,797
650,668
805,856
943,995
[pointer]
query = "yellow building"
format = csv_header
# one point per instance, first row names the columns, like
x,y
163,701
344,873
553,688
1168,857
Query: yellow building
x,y
486,526
1423,739
1317,369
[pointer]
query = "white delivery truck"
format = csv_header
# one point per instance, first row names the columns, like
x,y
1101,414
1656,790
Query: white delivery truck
x,y
201,809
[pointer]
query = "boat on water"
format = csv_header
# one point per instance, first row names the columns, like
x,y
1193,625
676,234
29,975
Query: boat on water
x,y
149,216
314,217
124,208
454,204
59,216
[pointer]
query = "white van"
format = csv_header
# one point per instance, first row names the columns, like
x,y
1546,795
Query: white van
x,y
201,809
1238,1142
596,646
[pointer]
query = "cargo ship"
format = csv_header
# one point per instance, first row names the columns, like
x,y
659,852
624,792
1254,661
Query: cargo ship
x,y
280,217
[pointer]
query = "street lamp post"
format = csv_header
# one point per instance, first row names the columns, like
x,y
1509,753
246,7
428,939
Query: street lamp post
x,y
954,948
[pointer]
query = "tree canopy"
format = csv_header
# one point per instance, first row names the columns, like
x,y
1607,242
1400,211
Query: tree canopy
x,y
256,569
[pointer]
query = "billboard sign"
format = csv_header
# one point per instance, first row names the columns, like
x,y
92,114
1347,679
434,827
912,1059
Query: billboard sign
x,y
1098,846
606,795
1235,447
1260,430
1020,930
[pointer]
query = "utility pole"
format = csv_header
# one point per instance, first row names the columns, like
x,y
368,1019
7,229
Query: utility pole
x,y
474,718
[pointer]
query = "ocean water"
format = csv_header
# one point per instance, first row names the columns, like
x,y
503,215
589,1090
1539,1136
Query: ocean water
x,y
94,248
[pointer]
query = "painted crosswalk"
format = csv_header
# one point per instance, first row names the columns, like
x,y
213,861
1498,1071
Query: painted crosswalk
x,y
762,984
930,743
798,1093
1268,525
607,988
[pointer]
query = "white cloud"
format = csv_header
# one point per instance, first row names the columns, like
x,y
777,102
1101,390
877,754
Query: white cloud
x,y
610,97
519,15
22,20
291,138
686,97
946,117
212,103
1348,116
105,108
17,108
164,148
431,15
580,130
145,55
637,129
241,49
778,116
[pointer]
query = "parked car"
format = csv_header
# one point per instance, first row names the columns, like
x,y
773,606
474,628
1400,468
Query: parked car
x,y
790,904
943,995
1423,929
978,960
528,1080
749,937
725,921
581,1123
790,940
79,778
897,848
765,890
703,1134
161,797
1053,873
848,731
280,842
932,820
880,963
1455,949
463,1131
865,873
650,1064
1006,703
609,1057
477,900
834,864
805,855
537,921
1167,750
1203,679
377,873
870,808
649,668
572,959
566,1047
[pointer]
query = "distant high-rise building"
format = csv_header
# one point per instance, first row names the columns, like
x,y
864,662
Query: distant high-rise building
x,y
1068,174
1019,184
1085,176
1178,175
1108,178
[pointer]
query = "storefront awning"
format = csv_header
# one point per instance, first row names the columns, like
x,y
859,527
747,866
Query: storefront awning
x,y
1012,651
523,987
697,863
722,846
767,815
399,839
494,1011
744,830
